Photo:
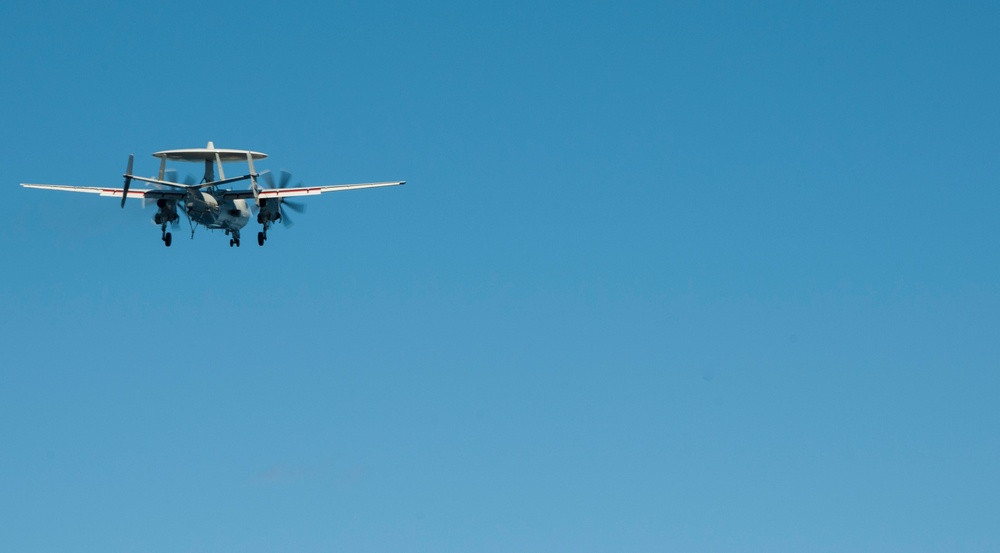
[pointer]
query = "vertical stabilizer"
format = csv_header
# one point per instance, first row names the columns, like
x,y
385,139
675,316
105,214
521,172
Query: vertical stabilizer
x,y
128,178
253,177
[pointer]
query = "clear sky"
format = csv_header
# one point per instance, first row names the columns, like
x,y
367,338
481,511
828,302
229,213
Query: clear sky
x,y
666,276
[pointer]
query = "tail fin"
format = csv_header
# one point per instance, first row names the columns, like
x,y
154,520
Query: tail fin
x,y
128,178
253,177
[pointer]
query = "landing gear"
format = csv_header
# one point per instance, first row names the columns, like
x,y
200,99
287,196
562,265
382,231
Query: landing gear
x,y
166,213
235,240
164,235
262,235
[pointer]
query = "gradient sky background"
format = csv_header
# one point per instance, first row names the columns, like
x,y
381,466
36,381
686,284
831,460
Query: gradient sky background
x,y
698,276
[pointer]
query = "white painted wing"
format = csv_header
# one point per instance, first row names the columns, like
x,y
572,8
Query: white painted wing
x,y
111,192
307,190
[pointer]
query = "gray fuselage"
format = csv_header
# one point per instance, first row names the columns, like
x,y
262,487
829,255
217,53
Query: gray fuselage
x,y
207,210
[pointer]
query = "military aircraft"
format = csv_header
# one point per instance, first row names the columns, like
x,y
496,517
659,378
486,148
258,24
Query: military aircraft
x,y
209,203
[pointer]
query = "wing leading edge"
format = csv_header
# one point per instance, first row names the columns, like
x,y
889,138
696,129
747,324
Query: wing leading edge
x,y
306,190
156,194
111,192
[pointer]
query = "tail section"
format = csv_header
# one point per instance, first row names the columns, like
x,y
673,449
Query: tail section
x,y
128,178
253,177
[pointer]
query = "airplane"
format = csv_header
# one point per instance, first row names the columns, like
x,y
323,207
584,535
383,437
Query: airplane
x,y
210,203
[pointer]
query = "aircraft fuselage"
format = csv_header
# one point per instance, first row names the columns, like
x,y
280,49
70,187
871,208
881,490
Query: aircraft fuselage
x,y
215,213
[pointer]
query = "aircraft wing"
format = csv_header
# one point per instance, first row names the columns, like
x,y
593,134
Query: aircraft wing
x,y
305,190
113,192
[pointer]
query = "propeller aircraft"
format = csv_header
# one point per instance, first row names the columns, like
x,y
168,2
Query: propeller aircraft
x,y
211,203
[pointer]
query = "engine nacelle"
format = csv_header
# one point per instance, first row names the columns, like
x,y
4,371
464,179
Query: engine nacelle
x,y
167,212
270,210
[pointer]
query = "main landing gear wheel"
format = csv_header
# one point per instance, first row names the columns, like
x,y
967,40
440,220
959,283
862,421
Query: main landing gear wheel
x,y
261,238
164,235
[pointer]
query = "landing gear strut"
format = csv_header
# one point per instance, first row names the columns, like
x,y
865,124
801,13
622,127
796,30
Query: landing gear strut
x,y
167,213
235,240
262,235
164,235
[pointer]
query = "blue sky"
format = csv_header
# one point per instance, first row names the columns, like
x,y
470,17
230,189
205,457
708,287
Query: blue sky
x,y
665,277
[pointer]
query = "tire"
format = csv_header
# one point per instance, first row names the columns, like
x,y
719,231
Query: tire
x,y
168,239
260,238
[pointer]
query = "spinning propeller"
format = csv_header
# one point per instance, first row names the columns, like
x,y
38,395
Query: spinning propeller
x,y
283,183
170,176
